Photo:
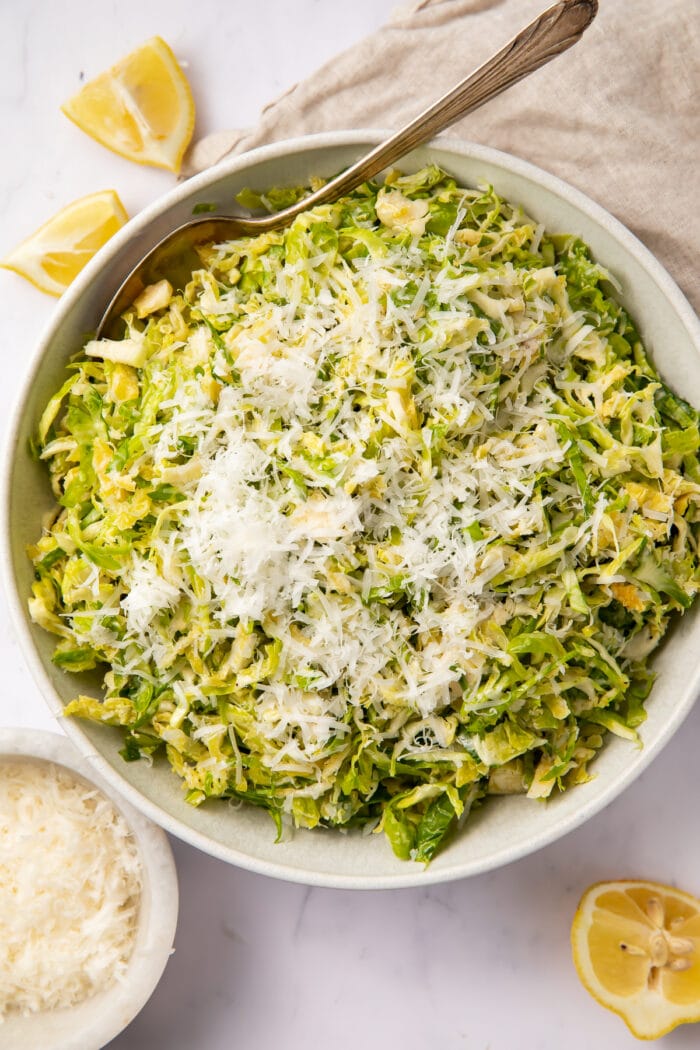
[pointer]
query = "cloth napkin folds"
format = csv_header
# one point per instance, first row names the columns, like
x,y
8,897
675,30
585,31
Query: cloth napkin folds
x,y
618,115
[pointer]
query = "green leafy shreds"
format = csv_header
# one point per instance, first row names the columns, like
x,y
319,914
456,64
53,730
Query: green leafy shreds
x,y
484,496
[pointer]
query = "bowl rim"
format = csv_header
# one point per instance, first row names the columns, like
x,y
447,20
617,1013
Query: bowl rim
x,y
413,876
109,1012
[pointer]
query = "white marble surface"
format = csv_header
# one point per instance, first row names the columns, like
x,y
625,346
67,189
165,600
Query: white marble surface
x,y
481,964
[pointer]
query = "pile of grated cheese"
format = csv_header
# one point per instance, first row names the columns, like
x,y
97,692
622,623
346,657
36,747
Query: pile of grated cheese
x,y
70,886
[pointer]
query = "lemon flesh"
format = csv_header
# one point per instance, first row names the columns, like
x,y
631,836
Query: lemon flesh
x,y
142,108
54,255
636,947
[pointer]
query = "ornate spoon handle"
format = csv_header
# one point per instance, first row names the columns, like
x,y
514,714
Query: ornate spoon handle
x,y
550,34
555,30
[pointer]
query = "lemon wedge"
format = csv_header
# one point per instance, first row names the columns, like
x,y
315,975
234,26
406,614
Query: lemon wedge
x,y
54,255
636,947
142,108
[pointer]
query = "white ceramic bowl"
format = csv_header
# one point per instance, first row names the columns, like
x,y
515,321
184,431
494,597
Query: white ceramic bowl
x,y
505,828
93,1023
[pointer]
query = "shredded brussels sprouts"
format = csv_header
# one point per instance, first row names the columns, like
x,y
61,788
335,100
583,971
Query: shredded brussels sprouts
x,y
381,514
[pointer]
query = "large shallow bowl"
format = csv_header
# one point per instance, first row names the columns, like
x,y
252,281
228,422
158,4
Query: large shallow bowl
x,y
504,829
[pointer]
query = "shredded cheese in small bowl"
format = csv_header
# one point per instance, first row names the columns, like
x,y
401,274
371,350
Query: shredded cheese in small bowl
x,y
83,940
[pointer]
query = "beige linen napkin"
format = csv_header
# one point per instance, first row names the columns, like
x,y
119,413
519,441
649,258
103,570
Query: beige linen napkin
x,y
618,115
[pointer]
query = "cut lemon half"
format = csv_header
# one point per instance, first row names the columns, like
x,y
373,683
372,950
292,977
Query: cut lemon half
x,y
636,946
142,108
56,253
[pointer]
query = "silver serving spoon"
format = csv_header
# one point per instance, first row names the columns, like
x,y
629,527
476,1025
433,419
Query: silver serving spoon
x,y
174,257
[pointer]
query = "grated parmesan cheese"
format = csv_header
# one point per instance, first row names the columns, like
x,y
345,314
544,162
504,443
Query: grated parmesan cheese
x,y
70,884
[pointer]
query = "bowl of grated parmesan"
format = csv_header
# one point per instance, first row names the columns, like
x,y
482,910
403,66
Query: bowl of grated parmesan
x,y
375,526
88,899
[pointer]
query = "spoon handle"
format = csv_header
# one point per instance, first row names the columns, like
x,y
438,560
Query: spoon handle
x,y
555,30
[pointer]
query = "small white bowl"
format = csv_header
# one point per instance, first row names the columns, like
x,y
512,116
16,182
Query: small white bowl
x,y
505,828
94,1022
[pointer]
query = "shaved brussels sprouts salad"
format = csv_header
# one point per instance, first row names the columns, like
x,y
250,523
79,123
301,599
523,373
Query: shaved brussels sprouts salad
x,y
383,513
